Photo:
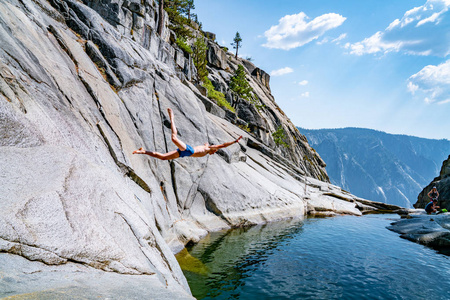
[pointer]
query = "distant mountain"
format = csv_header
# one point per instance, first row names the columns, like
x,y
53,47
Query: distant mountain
x,y
379,166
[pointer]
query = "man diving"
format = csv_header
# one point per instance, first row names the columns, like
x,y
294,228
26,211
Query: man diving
x,y
184,150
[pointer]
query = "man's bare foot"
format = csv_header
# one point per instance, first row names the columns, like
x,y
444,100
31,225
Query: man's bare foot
x,y
170,111
139,151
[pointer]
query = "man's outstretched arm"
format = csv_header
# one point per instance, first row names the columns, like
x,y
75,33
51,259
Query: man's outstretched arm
x,y
224,145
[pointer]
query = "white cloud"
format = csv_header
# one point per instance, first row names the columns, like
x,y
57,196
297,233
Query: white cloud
x,y
444,101
432,83
376,43
336,41
305,95
294,31
282,71
421,31
303,82
323,41
394,24
412,88
434,18
339,38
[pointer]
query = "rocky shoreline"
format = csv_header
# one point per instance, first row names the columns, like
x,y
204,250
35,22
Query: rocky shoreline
x,y
429,230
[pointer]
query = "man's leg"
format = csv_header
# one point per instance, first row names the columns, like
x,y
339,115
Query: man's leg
x,y
166,156
180,144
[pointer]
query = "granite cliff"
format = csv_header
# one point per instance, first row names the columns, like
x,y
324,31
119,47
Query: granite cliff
x,y
442,183
82,85
430,230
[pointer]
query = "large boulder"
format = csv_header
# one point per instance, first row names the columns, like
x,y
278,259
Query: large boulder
x,y
216,56
262,77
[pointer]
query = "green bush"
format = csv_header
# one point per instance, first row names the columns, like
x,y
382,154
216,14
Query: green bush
x,y
181,42
279,137
245,127
215,95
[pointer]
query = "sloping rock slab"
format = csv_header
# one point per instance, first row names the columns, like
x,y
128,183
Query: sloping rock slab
x,y
429,230
24,279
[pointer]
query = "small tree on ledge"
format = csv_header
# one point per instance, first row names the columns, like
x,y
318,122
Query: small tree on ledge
x,y
279,137
237,43
240,85
199,57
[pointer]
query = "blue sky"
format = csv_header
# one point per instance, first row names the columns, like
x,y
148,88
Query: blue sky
x,y
374,64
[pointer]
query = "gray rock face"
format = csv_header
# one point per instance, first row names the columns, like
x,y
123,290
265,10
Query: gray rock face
x,y
33,280
79,91
216,56
262,77
442,183
445,170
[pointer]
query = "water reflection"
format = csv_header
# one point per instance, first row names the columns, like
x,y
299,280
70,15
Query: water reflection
x,y
336,258
231,256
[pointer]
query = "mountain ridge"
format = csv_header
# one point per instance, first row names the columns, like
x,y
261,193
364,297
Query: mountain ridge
x,y
394,168
373,130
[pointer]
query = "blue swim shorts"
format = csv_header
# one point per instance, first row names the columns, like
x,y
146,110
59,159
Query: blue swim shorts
x,y
188,152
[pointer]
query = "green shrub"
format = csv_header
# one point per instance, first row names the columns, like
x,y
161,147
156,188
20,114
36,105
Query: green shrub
x,y
181,42
215,95
245,127
279,137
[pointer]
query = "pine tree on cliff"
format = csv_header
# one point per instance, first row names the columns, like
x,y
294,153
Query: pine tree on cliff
x,y
189,6
240,85
161,17
237,43
176,10
199,56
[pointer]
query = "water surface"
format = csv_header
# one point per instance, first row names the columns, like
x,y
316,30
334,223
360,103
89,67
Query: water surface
x,y
334,258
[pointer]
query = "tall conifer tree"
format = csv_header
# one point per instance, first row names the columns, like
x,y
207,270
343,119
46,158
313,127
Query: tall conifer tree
x,y
161,17
237,43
